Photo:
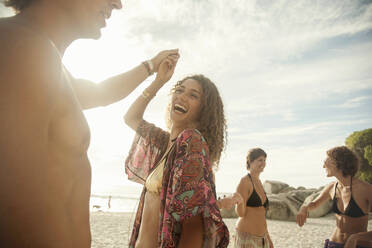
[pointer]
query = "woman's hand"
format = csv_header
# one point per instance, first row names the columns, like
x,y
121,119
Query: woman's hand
x,y
271,244
166,70
302,216
230,201
173,55
226,203
238,198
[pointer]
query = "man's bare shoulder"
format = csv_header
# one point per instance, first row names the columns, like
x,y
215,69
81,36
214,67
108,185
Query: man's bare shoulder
x,y
21,40
26,57
30,70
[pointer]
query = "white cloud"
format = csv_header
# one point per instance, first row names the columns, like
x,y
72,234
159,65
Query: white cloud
x,y
354,102
248,31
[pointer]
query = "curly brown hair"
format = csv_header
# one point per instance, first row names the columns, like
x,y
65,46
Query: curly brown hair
x,y
254,154
18,5
345,159
212,122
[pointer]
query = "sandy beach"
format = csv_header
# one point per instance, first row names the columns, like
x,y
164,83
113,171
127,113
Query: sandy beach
x,y
111,230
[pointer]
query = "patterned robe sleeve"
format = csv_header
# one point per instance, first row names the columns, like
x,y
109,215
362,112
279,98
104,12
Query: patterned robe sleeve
x,y
190,192
148,145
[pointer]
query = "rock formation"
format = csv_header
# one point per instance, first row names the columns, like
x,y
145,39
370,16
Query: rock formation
x,y
285,201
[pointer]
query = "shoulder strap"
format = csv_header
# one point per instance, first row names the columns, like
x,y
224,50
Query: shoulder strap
x,y
251,180
351,185
334,196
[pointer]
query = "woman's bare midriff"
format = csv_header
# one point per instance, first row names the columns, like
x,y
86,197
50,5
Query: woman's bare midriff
x,y
254,221
148,233
346,226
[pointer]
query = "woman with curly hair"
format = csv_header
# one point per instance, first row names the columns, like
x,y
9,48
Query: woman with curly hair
x,y
251,227
351,201
178,206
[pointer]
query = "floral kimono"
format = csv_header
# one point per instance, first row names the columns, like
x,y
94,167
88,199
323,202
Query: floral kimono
x,y
187,188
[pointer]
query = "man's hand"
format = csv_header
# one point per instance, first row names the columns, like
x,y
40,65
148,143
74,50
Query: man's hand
x,y
173,55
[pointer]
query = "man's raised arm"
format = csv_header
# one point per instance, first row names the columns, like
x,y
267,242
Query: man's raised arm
x,y
114,89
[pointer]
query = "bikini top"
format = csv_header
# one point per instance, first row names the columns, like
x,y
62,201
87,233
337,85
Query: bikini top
x,y
352,209
255,200
154,180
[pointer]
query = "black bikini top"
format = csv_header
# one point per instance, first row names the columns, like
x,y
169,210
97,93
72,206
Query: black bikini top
x,y
352,209
255,200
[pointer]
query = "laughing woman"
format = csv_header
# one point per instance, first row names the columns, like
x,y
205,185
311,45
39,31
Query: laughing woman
x,y
178,206
351,198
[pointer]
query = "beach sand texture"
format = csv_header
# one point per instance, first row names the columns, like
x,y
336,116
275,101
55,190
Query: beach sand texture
x,y
112,230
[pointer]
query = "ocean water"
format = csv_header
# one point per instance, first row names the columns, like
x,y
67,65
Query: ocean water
x,y
117,203
122,203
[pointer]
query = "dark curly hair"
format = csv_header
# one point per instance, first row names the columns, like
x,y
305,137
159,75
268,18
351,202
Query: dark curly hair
x,y
18,5
212,122
345,159
254,154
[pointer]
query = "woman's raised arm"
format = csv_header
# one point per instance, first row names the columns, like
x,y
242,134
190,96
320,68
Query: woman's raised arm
x,y
134,115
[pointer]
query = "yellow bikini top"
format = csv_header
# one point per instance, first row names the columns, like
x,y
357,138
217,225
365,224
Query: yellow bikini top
x,y
154,180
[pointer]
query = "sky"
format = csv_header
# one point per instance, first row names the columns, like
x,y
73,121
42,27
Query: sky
x,y
295,78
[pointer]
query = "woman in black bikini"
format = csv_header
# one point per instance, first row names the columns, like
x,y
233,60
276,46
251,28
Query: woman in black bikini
x,y
251,228
352,201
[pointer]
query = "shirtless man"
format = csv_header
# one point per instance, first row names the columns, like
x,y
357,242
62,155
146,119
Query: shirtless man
x,y
45,175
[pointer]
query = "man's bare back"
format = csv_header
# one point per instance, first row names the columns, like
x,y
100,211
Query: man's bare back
x,y
45,175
